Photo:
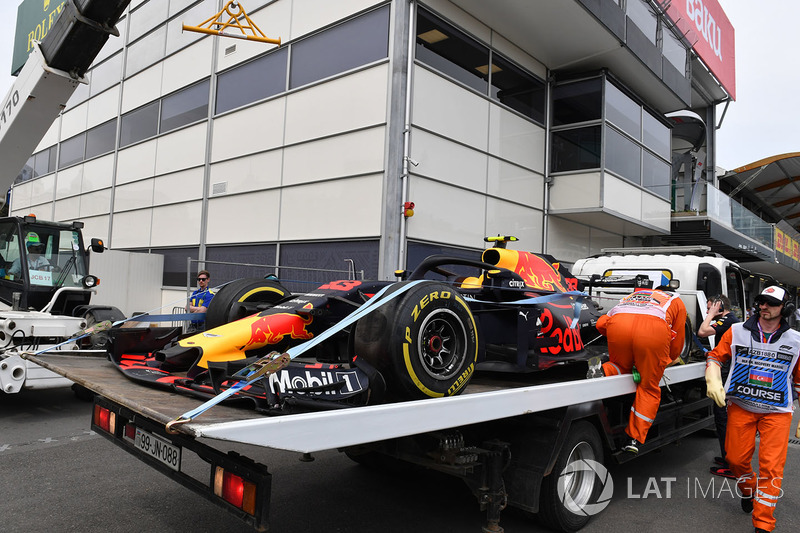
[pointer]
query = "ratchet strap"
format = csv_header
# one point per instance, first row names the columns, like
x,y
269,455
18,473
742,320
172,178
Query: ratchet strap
x,y
273,362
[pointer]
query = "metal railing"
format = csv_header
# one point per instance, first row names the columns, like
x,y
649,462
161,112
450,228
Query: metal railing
x,y
296,279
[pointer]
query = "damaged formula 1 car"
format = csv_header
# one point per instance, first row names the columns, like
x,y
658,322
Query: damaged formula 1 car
x,y
420,337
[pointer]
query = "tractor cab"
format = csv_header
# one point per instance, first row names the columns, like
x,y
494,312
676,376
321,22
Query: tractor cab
x,y
43,265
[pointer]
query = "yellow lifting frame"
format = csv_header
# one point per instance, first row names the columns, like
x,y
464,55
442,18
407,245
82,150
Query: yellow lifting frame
x,y
235,11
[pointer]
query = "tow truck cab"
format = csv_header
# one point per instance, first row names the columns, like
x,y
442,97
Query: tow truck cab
x,y
39,258
702,275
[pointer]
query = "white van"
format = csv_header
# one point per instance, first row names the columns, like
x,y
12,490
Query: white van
x,y
702,275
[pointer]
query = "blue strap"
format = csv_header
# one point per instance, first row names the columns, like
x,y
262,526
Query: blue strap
x,y
699,344
374,303
168,318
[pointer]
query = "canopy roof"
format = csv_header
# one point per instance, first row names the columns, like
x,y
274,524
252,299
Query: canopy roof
x,y
774,182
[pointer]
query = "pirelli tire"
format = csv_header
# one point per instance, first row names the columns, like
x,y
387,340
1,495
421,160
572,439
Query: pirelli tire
x,y
242,298
424,342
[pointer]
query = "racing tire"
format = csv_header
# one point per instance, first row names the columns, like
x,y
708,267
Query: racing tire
x,y
242,298
424,342
571,506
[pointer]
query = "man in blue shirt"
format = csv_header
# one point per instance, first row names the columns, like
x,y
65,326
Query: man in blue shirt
x,y
198,302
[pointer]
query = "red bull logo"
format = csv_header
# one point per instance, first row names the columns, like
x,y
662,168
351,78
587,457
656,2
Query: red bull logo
x,y
272,329
539,274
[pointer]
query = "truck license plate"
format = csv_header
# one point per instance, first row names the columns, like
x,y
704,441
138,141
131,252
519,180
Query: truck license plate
x,y
158,448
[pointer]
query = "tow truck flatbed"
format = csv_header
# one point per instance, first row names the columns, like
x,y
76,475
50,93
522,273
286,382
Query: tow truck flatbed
x,y
484,399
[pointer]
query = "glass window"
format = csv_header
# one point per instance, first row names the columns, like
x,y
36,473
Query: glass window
x,y
577,149
623,156
45,162
139,124
253,81
27,171
259,254
517,89
644,18
623,112
184,107
349,45
72,150
175,264
578,102
656,176
674,51
101,139
330,257
451,52
656,136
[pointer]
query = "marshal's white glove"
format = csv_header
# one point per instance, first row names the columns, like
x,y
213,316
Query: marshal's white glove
x,y
714,388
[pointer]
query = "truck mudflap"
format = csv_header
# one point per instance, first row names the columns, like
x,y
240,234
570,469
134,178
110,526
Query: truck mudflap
x,y
231,481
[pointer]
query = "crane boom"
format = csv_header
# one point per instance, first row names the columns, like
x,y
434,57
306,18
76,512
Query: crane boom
x,y
51,74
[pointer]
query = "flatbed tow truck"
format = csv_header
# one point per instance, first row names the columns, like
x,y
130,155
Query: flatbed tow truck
x,y
512,442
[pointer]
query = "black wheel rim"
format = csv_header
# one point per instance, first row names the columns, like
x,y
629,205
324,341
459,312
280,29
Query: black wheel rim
x,y
441,342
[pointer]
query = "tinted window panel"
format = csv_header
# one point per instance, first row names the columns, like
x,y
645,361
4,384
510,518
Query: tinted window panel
x,y
101,139
656,175
577,102
623,112
577,149
357,42
644,18
517,89
27,171
253,81
623,156
451,52
260,254
674,51
72,150
184,107
657,136
139,124
175,265
330,257
45,161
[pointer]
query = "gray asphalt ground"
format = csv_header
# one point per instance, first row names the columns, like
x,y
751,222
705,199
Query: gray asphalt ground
x,y
56,475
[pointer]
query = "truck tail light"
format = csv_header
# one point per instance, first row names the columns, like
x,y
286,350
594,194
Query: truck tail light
x,y
235,490
105,419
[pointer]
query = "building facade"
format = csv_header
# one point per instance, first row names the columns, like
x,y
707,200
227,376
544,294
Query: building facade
x,y
540,119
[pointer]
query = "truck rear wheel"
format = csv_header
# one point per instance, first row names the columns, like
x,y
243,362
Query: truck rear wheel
x,y
425,345
242,298
579,485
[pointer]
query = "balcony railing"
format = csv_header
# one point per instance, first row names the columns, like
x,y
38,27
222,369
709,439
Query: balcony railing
x,y
719,207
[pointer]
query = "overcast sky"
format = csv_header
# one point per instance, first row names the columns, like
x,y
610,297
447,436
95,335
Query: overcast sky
x,y
763,120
